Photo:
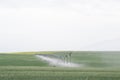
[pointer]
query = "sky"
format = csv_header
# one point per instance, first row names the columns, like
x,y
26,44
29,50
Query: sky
x,y
51,25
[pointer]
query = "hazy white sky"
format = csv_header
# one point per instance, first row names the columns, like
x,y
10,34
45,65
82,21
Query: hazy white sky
x,y
35,25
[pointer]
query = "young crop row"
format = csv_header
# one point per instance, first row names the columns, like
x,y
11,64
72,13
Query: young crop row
x,y
48,73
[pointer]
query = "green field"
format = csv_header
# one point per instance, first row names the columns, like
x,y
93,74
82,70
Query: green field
x,y
25,66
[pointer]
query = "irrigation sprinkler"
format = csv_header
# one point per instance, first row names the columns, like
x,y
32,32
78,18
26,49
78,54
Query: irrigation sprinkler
x,y
70,55
67,57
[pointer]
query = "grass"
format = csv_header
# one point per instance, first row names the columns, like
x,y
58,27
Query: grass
x,y
20,60
41,52
50,73
25,66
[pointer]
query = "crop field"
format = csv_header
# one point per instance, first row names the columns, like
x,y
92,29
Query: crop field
x,y
95,66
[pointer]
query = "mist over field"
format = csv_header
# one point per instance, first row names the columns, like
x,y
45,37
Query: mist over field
x,y
50,25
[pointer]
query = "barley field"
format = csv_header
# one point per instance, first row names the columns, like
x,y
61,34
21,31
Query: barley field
x,y
97,66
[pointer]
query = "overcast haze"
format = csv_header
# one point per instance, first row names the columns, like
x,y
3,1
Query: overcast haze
x,y
39,25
